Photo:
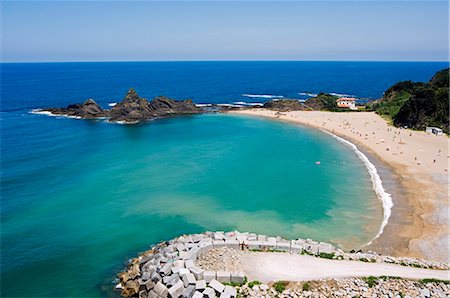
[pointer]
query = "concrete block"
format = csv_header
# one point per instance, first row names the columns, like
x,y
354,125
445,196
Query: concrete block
x,y
188,292
230,291
189,279
284,245
237,277
197,294
326,248
311,248
161,290
166,269
219,236
209,292
216,285
296,249
189,264
197,271
218,243
223,276
152,294
232,243
176,290
149,285
209,275
172,280
205,246
241,238
200,285
252,237
180,247
195,251
262,238
143,294
176,270
254,244
156,277
197,238
183,272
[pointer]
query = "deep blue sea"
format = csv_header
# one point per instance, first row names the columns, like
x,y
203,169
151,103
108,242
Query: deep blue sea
x,y
80,197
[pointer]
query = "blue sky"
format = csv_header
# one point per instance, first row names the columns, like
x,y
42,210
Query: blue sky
x,y
213,30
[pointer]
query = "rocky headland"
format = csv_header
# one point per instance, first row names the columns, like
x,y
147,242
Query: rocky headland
x,y
132,109
210,265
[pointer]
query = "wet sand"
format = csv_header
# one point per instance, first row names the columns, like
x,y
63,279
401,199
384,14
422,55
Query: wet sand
x,y
414,168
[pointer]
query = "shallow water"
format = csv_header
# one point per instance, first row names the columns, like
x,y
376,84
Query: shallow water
x,y
79,197
73,211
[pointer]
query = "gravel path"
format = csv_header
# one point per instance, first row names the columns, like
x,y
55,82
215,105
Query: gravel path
x,y
271,266
221,259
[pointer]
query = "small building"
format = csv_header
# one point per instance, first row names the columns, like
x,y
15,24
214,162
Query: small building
x,y
347,103
435,130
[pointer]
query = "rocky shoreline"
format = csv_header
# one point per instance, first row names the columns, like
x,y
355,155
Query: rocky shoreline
x,y
185,266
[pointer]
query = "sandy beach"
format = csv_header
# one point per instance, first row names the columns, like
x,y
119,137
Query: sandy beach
x,y
419,223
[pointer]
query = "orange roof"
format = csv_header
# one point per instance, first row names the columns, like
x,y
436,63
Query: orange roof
x,y
346,99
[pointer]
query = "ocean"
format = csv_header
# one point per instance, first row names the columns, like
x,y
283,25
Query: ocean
x,y
80,197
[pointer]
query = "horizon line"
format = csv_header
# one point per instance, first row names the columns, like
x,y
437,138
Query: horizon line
x,y
237,60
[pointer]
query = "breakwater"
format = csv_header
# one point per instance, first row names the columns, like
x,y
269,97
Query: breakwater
x,y
169,268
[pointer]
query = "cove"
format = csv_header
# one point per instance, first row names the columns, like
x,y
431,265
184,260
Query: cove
x,y
78,196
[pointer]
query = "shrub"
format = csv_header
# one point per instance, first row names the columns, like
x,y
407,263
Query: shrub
x,y
280,286
306,286
254,283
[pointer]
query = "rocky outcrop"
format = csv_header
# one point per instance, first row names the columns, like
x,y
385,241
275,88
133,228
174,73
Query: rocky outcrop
x,y
89,110
131,109
284,105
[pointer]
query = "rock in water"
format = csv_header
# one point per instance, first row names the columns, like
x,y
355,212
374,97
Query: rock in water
x,y
89,109
131,109
134,108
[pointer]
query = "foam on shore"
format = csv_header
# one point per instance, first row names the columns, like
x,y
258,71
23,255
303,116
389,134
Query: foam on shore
x,y
47,113
382,195
262,96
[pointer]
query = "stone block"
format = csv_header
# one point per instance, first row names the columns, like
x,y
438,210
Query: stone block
x,y
219,236
237,277
180,247
205,246
209,292
166,269
183,272
176,270
254,244
232,243
200,285
189,263
326,248
172,280
195,251
143,294
311,248
178,263
216,285
261,238
197,238
189,279
161,290
296,249
152,294
149,284
176,290
197,294
230,291
284,245
188,292
242,238
252,237
218,243
223,276
209,275
156,277
197,271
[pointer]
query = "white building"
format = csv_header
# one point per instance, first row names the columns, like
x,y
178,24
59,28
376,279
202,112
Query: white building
x,y
347,102
436,130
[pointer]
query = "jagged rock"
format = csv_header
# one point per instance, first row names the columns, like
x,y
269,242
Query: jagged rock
x,y
89,110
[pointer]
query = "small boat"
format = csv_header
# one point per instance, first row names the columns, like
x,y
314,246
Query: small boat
x,y
317,162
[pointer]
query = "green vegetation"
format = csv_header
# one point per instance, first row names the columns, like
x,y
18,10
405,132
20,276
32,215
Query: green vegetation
x,y
417,105
434,280
323,101
371,280
367,260
280,286
306,286
254,283
326,256
236,284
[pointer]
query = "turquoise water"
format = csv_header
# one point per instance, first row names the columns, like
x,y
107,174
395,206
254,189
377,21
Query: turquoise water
x,y
75,210
78,198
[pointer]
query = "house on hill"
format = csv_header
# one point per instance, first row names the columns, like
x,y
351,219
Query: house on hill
x,y
347,103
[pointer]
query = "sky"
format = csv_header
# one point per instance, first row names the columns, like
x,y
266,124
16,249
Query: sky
x,y
40,31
